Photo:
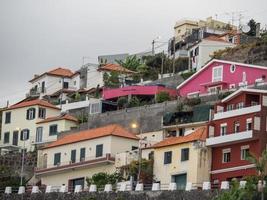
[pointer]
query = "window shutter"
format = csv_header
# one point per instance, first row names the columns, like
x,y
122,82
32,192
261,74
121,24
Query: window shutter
x,y
34,113
27,115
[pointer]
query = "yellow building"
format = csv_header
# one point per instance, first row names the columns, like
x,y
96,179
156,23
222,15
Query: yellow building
x,y
184,28
20,128
183,159
73,157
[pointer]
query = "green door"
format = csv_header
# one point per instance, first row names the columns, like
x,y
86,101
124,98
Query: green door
x,y
180,180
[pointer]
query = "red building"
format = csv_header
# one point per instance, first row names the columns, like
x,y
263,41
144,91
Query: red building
x,y
238,127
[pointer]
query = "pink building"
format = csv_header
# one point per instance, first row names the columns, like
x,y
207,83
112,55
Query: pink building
x,y
220,75
136,90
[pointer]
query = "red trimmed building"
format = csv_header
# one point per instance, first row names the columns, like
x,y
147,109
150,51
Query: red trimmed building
x,y
238,127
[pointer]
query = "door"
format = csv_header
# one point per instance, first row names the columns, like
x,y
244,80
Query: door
x,y
180,180
74,182
39,134
15,138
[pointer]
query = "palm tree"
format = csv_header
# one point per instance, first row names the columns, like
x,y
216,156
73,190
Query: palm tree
x,y
260,165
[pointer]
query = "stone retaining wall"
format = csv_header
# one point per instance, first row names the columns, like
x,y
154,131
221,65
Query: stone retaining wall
x,y
160,195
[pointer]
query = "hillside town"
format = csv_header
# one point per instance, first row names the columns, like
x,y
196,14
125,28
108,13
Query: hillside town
x,y
192,117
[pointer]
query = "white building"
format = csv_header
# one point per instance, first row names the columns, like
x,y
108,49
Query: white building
x,y
72,158
54,81
201,52
32,122
91,77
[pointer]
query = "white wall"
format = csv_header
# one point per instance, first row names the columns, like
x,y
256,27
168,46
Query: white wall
x,y
94,77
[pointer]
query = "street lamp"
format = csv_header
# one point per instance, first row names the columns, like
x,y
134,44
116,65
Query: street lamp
x,y
134,126
153,44
23,156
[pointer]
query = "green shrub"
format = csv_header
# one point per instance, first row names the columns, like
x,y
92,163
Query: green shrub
x,y
162,97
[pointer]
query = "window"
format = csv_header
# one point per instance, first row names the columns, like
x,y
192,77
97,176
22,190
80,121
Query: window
x,y
95,108
42,113
236,127
244,152
240,105
39,134
226,155
57,158
181,131
99,150
167,157
197,51
249,124
223,129
184,154
8,118
6,137
73,156
24,134
53,130
43,87
30,114
134,148
65,85
74,82
217,73
230,107
232,68
82,154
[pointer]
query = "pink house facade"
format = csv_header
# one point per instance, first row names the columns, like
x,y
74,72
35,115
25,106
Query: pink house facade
x,y
142,90
220,75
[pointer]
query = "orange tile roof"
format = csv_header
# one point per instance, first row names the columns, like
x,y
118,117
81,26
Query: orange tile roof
x,y
199,134
116,68
57,118
62,72
32,103
109,130
215,38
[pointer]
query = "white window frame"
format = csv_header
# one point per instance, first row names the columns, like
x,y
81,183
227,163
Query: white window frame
x,y
235,125
240,105
225,151
224,125
232,106
217,78
242,150
248,121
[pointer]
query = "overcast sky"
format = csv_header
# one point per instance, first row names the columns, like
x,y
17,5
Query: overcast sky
x,y
39,35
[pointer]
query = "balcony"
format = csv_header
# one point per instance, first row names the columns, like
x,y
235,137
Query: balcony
x,y
230,138
237,112
86,163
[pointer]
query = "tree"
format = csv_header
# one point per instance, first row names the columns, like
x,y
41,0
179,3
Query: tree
x,y
111,79
252,24
131,62
146,172
101,179
162,97
122,102
260,165
134,102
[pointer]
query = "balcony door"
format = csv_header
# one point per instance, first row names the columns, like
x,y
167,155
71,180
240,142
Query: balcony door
x,y
15,138
74,182
39,134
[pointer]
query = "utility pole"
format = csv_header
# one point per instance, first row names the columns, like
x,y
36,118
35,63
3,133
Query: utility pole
x,y
162,63
173,61
153,47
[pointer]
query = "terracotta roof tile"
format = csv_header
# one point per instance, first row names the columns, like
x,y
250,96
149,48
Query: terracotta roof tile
x,y
116,68
62,72
32,103
199,134
109,130
60,117
215,38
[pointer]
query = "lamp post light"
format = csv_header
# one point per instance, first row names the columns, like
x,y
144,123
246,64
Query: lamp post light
x,y
23,157
134,126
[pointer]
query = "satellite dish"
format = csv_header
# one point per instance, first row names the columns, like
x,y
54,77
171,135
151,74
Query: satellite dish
x,y
245,28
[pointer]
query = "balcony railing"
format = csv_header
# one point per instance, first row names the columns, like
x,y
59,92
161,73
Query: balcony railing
x,y
86,162
237,112
234,137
